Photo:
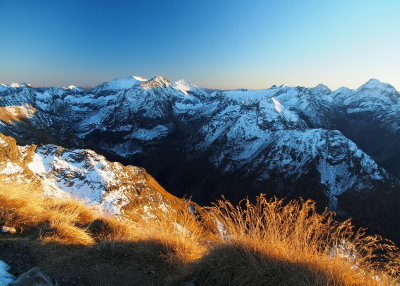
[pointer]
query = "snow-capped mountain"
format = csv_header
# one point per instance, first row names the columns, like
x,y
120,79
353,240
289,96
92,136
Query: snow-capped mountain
x,y
337,146
120,83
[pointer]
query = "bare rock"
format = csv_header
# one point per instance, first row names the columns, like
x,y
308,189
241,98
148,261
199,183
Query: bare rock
x,y
33,277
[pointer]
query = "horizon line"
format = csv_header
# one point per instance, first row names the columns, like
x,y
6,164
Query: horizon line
x,y
89,87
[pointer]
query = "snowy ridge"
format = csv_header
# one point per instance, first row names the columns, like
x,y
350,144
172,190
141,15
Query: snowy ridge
x,y
76,173
186,87
121,83
16,84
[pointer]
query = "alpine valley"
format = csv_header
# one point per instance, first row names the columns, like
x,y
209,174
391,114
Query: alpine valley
x,y
338,147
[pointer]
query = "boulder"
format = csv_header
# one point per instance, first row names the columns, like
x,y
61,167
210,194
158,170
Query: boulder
x,y
33,277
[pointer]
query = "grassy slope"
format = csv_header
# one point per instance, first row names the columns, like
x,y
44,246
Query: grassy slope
x,y
267,243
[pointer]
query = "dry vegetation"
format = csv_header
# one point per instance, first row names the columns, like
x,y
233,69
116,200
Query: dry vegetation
x,y
266,243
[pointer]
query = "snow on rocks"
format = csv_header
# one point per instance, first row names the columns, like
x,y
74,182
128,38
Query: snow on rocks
x,y
11,169
79,173
82,174
156,82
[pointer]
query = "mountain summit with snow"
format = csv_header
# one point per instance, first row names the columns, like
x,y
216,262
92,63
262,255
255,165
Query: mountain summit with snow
x,y
121,83
187,87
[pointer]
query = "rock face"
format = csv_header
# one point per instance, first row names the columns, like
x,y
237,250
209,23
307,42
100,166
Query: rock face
x,y
331,146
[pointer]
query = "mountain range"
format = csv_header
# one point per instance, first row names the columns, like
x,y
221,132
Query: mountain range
x,y
337,147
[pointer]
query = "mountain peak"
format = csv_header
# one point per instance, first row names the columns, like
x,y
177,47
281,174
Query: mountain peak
x,y
156,82
16,84
139,78
321,88
71,87
184,86
121,83
183,82
374,83
162,79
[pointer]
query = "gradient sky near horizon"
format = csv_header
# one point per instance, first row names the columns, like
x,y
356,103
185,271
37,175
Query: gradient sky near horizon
x,y
218,44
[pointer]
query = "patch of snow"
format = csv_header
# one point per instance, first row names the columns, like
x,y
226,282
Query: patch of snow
x,y
149,134
148,211
3,142
14,84
180,228
278,106
139,78
5,277
11,169
222,230
114,201
36,165
191,108
184,86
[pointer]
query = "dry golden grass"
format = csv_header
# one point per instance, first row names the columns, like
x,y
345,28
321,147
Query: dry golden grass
x,y
273,243
178,228
20,207
59,220
266,243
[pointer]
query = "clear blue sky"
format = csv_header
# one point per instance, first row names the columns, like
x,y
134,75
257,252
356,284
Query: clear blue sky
x,y
213,43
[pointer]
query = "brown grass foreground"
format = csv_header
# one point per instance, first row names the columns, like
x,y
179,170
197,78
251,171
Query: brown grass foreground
x,y
266,243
